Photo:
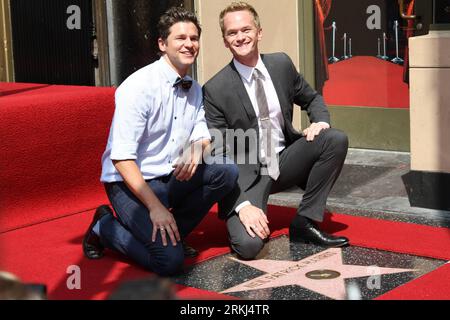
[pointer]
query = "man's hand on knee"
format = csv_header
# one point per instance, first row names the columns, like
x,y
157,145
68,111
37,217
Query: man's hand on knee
x,y
314,130
164,222
254,221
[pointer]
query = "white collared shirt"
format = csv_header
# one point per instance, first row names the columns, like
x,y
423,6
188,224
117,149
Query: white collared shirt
x,y
276,117
153,121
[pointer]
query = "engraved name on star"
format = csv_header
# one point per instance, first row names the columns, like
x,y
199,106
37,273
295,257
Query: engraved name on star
x,y
326,270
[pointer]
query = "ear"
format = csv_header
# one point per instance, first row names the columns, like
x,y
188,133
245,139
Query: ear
x,y
162,45
227,45
260,33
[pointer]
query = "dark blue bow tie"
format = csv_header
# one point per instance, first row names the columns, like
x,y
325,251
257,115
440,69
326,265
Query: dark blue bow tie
x,y
185,84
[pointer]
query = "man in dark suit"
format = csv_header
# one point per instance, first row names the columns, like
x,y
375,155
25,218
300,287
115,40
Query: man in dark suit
x,y
255,94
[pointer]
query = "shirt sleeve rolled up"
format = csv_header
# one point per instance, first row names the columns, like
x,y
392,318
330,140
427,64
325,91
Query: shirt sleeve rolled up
x,y
200,131
129,123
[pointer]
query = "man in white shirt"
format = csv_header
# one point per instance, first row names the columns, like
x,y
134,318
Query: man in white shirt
x,y
152,167
256,93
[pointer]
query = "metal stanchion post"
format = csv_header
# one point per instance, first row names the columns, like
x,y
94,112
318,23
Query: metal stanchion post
x,y
345,57
333,59
397,59
379,49
384,56
350,48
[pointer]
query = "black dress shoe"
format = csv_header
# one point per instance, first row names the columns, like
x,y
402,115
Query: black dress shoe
x,y
189,252
92,246
307,232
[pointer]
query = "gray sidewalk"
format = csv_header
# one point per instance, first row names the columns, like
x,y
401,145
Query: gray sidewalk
x,y
371,185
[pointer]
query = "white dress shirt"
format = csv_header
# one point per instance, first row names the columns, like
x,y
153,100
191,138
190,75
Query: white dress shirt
x,y
276,117
153,121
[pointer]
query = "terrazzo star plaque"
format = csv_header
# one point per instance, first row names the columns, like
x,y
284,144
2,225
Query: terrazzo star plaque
x,y
329,283
305,272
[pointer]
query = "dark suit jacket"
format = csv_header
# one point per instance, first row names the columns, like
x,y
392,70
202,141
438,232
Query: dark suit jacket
x,y
228,106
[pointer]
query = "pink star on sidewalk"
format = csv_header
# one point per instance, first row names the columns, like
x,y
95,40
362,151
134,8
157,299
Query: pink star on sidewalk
x,y
326,268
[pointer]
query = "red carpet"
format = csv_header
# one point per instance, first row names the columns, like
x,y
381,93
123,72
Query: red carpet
x,y
42,253
366,82
432,286
14,88
52,142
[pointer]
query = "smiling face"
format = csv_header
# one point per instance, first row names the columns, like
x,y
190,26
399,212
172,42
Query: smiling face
x,y
241,36
181,47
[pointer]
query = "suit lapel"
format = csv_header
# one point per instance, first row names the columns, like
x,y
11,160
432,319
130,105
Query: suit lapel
x,y
272,69
239,88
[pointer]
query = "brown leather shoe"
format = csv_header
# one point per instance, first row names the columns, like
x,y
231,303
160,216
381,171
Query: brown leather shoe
x,y
92,246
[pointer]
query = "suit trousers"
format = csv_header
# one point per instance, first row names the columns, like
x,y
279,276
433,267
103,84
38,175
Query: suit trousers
x,y
131,232
313,166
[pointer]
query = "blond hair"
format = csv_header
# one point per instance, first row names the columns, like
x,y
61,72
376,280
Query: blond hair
x,y
239,6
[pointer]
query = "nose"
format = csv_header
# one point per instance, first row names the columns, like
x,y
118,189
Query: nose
x,y
240,36
188,43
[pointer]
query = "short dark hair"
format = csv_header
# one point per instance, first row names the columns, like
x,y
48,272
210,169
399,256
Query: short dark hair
x,y
173,16
239,6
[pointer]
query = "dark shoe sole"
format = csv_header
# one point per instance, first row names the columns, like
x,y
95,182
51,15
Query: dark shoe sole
x,y
297,239
189,252
90,251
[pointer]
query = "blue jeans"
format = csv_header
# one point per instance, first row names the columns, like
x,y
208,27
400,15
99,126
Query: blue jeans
x,y
131,233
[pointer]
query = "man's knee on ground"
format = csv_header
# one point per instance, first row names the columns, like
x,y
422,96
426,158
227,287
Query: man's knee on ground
x,y
249,248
